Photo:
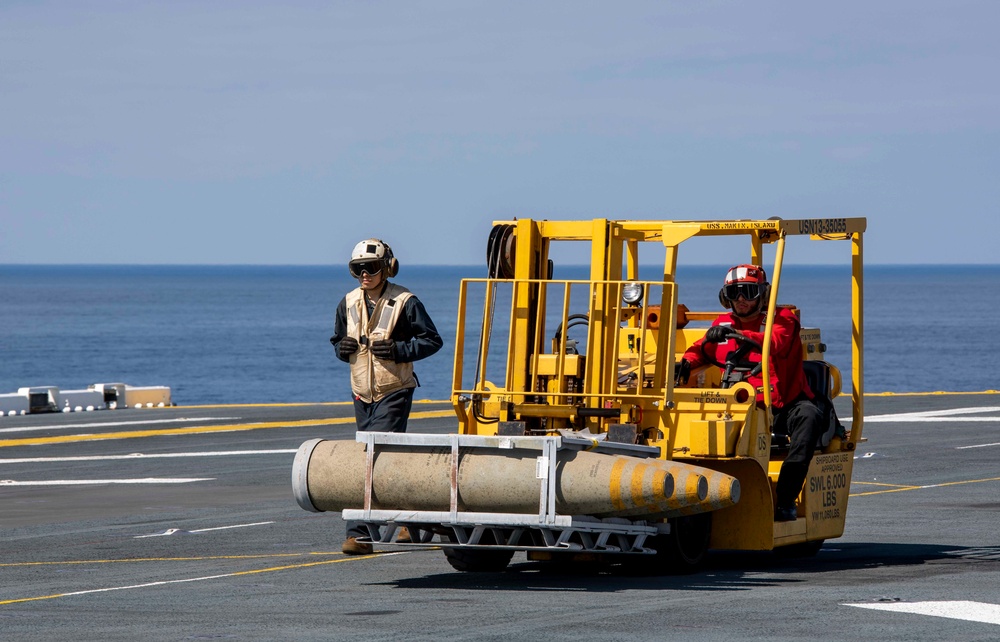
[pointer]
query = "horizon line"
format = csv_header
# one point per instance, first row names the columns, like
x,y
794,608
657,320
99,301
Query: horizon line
x,y
464,265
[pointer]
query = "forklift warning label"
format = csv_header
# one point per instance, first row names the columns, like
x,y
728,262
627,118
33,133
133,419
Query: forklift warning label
x,y
809,335
710,398
828,486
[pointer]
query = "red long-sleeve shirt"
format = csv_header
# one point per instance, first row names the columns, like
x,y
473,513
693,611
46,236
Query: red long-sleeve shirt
x,y
788,380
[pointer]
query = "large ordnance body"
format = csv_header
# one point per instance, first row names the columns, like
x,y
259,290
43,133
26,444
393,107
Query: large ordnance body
x,y
331,476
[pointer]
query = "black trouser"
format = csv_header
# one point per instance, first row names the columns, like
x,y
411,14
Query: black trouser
x,y
802,421
388,414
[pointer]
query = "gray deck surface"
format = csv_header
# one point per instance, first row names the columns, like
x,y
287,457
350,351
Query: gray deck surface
x,y
179,524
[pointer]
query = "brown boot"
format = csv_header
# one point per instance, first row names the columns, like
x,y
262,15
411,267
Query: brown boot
x,y
403,535
354,547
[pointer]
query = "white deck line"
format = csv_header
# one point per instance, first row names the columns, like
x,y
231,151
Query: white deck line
x,y
106,424
219,453
93,482
956,610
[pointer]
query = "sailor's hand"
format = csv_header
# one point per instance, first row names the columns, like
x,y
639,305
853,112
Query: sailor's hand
x,y
718,334
347,347
682,372
384,349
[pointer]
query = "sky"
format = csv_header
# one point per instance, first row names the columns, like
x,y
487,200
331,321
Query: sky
x,y
250,132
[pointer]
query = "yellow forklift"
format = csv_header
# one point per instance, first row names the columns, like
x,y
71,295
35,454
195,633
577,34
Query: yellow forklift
x,y
592,451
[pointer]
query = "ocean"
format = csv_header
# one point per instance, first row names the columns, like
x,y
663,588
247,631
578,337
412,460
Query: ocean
x,y
260,334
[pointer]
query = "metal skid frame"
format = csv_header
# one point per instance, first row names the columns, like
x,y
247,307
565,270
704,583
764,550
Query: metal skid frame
x,y
545,530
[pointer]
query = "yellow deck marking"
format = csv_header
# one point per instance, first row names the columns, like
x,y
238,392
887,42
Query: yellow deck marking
x,y
862,483
293,404
903,488
199,579
448,401
161,559
199,430
926,394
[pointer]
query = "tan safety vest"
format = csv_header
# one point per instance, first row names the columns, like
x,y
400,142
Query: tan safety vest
x,y
372,378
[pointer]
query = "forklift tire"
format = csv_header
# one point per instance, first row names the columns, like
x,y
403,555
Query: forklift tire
x,y
468,561
687,543
471,560
680,552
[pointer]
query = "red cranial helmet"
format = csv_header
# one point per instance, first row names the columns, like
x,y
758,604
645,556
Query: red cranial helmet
x,y
747,281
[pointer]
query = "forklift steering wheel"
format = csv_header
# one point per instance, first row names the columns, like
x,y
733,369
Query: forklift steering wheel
x,y
737,360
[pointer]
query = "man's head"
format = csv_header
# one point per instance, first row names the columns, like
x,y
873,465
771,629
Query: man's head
x,y
371,262
745,290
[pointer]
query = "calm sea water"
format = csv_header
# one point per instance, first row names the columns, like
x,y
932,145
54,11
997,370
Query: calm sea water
x,y
253,334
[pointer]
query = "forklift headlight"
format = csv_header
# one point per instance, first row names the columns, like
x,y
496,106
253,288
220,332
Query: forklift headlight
x,y
632,293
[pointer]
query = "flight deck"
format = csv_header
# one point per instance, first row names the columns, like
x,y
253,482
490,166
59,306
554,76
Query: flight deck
x,y
179,523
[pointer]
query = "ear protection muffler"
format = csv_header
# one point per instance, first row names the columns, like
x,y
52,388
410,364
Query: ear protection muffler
x,y
390,262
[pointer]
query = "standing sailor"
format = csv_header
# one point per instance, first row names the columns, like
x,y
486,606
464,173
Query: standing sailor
x,y
380,329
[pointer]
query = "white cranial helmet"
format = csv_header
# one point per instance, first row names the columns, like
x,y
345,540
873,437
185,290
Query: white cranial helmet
x,y
372,255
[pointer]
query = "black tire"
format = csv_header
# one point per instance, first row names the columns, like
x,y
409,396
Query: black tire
x,y
470,560
680,552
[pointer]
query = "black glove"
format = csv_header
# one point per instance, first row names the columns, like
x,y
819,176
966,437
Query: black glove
x,y
682,372
347,347
384,349
718,334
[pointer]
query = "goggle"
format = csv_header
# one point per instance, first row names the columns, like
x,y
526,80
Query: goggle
x,y
748,291
371,267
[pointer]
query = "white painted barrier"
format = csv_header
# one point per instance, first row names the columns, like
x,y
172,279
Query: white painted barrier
x,y
98,396
113,393
147,397
13,403
41,398
77,400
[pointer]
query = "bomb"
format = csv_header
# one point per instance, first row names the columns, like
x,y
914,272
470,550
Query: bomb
x,y
330,476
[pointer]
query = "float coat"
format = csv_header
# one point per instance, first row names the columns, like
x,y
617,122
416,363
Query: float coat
x,y
330,476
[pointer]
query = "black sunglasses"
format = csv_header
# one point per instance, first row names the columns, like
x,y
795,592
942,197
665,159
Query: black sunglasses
x,y
371,267
748,291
